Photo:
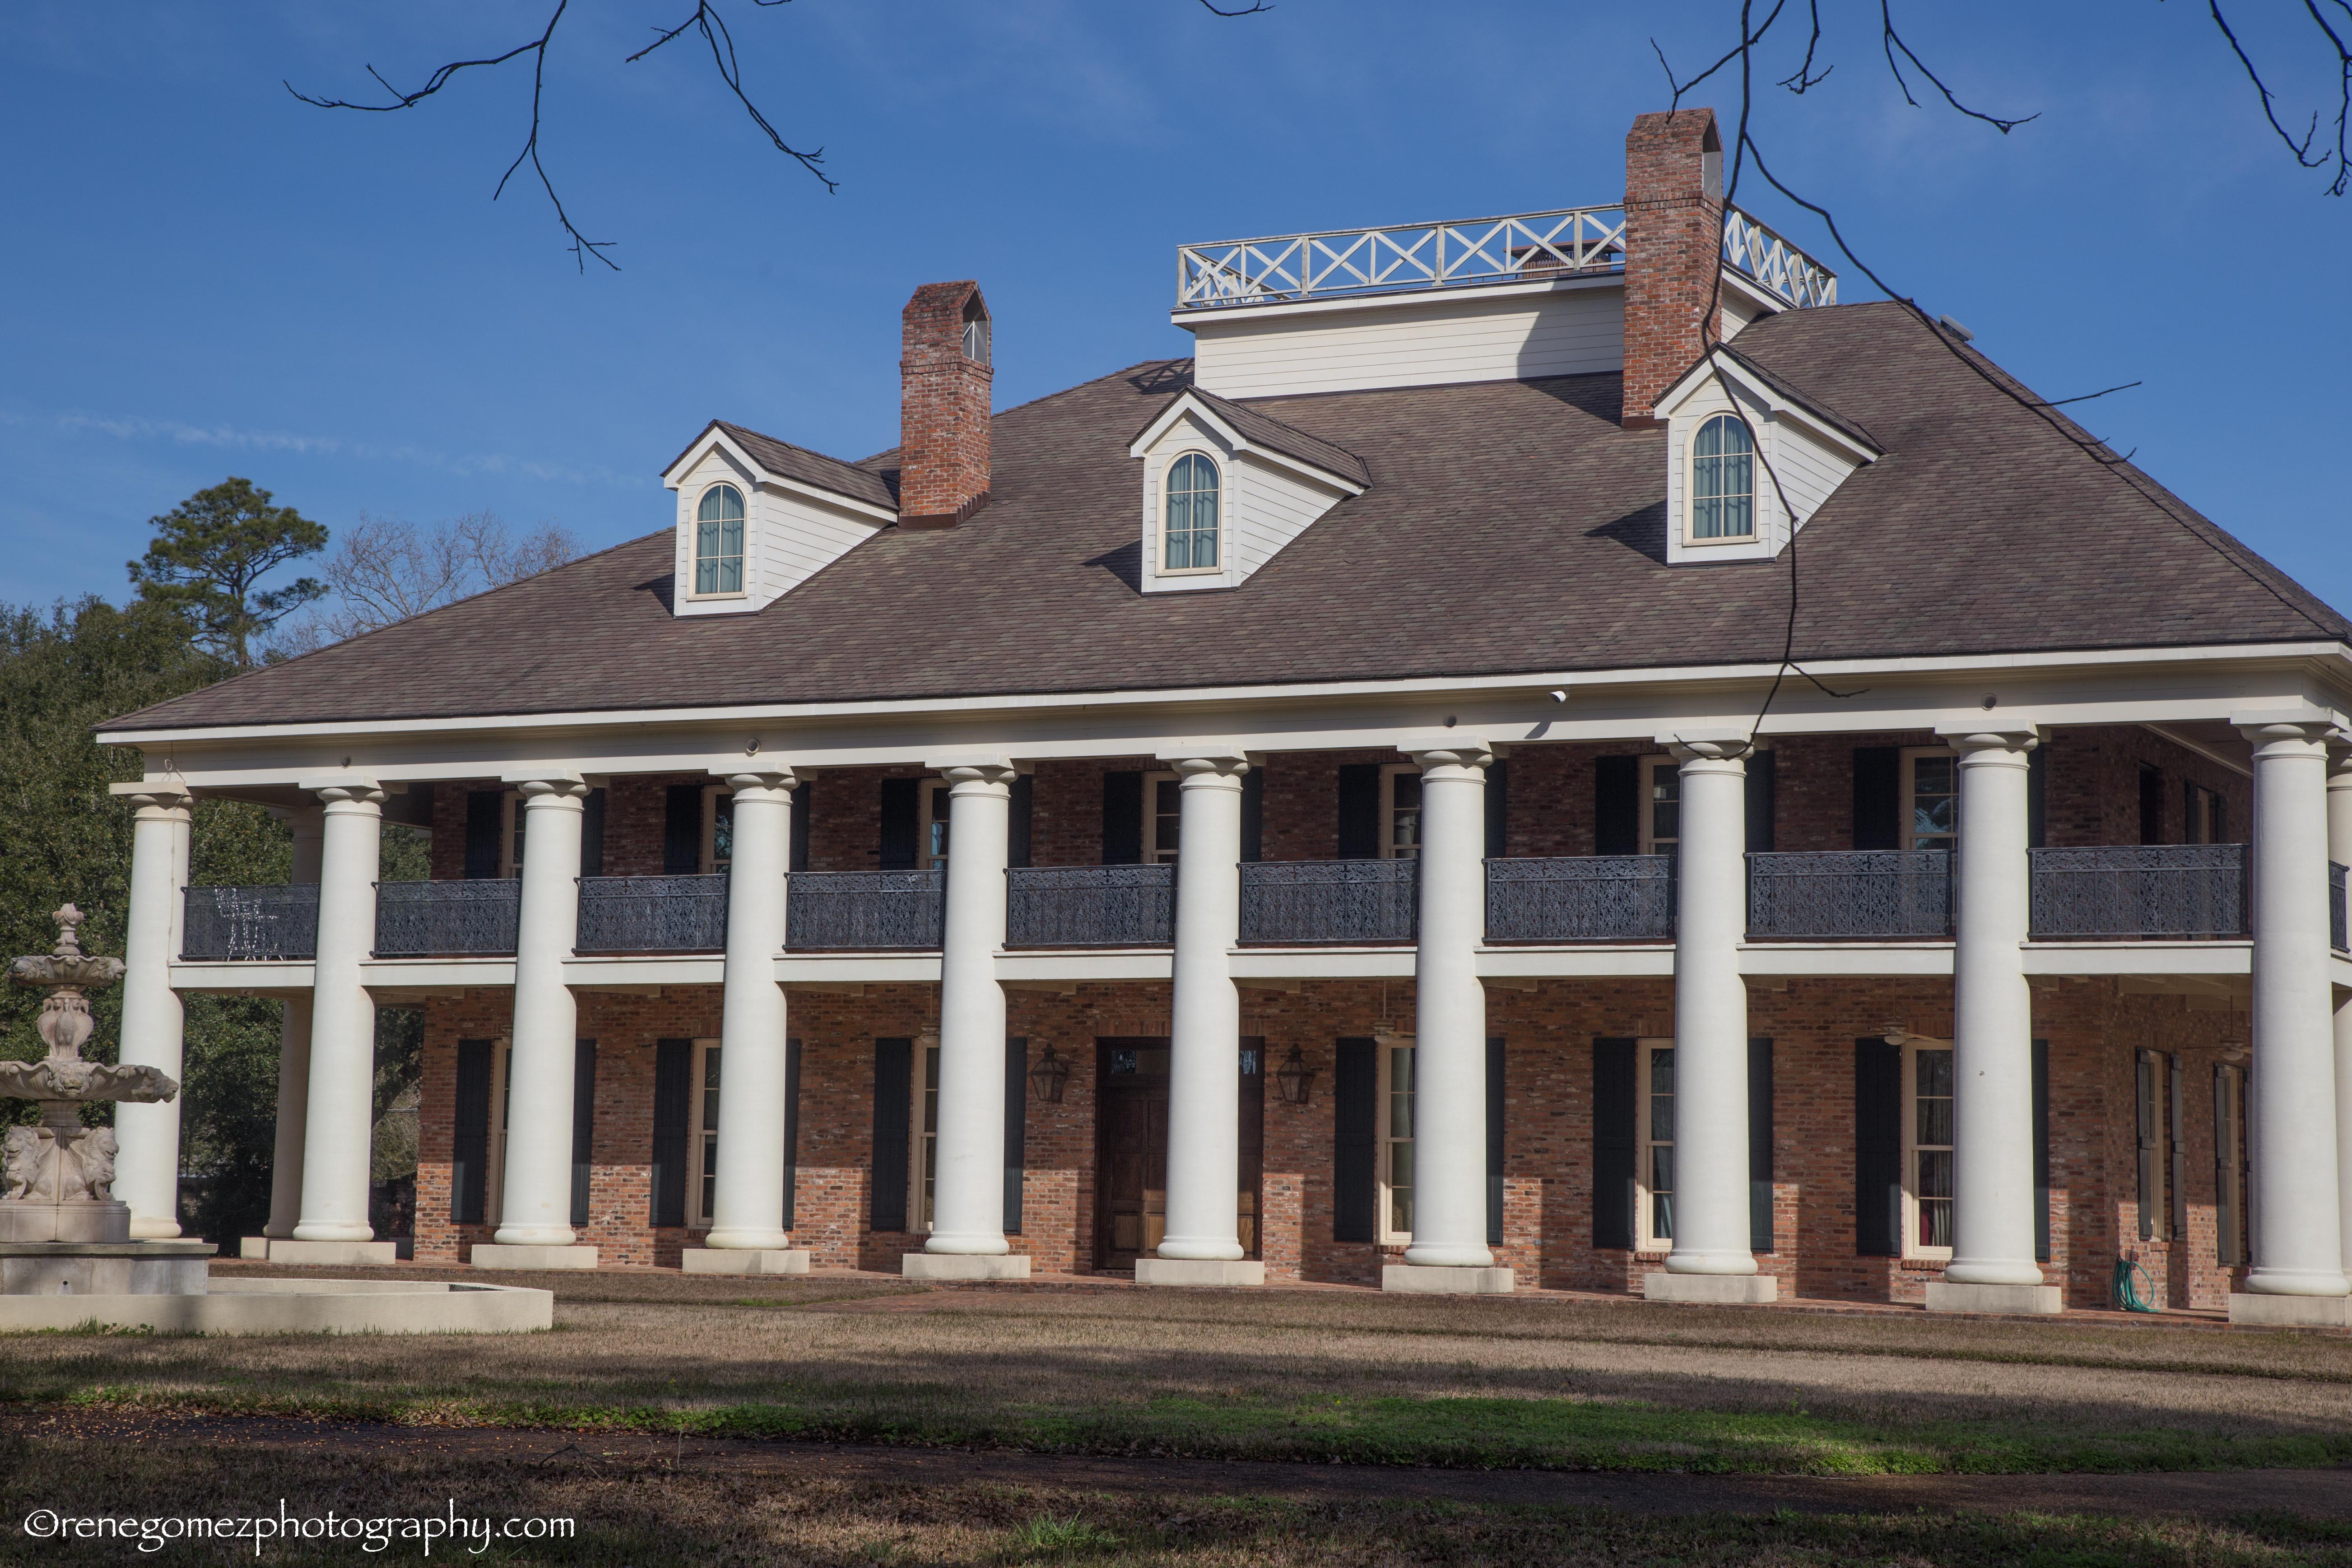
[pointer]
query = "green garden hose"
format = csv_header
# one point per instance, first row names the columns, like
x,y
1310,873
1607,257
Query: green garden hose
x,y
2127,1294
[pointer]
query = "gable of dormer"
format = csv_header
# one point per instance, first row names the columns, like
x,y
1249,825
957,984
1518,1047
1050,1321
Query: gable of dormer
x,y
1749,460
1225,489
757,518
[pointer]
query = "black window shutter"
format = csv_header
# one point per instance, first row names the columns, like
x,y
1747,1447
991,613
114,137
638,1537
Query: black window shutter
x,y
1494,1140
901,823
484,809
796,855
1254,814
1499,809
1615,1119
1760,780
682,830
1355,1092
1359,811
470,1174
2042,1150
1017,1129
792,1126
1122,838
2151,805
893,1064
1023,808
1878,813
1878,1149
592,835
584,1125
1760,1144
2037,796
1616,805
673,1094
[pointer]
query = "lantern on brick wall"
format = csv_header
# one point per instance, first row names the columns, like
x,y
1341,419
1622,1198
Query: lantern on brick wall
x,y
1046,1078
1294,1080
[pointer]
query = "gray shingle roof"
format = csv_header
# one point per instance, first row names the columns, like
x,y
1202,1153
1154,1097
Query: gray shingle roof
x,y
1513,527
1292,442
809,467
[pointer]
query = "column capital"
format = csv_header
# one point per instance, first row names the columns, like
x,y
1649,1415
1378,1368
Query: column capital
x,y
1701,745
1209,770
747,775
1990,743
2289,731
1198,756
159,801
992,775
543,773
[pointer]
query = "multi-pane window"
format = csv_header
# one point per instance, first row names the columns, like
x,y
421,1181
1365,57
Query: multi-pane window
x,y
1396,1142
717,828
1654,1171
1400,811
2208,820
931,849
1723,481
510,837
1662,805
1931,799
1191,530
719,541
2230,1164
1928,1158
2148,1086
1163,815
494,1191
705,1132
926,1120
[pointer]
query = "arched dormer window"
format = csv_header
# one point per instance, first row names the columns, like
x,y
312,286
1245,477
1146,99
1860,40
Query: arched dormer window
x,y
719,541
1192,530
1723,481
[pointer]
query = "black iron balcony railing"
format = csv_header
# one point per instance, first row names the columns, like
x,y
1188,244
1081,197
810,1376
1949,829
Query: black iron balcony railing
x,y
2140,889
1597,898
862,911
1302,902
2336,934
446,919
1090,906
251,923
1851,893
653,914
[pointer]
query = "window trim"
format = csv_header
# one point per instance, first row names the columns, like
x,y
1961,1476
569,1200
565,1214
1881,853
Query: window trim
x,y
1150,840
707,853
932,808
510,834
494,1162
1906,813
1646,807
699,1158
1384,1141
694,546
2152,1142
1159,566
2230,1165
1646,1238
1691,538
922,1140
1390,774
1913,1247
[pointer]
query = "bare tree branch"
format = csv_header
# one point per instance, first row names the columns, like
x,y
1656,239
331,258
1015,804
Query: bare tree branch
x,y
384,571
1213,10
1798,81
1890,40
723,54
2342,156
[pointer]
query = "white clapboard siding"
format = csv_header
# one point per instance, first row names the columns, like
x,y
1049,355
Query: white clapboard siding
x,y
1264,508
1807,468
788,538
1433,340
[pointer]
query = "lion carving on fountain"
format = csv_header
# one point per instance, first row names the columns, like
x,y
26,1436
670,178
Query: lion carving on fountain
x,y
38,1172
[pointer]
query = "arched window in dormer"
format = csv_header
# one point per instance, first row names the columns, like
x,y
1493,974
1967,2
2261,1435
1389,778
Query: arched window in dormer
x,y
1723,481
719,541
1192,530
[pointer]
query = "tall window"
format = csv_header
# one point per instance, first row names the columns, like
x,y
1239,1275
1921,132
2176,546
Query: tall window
x,y
926,1120
1654,1098
1723,481
932,850
1662,805
719,541
1396,1171
1931,795
705,1133
1927,1160
2208,822
511,836
495,1173
1163,817
717,828
2230,1164
1400,811
1192,530
2155,1144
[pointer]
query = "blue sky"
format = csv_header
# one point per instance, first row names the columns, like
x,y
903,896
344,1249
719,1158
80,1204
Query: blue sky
x,y
207,277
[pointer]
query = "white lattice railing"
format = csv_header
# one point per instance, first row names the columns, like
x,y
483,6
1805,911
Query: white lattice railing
x,y
1531,247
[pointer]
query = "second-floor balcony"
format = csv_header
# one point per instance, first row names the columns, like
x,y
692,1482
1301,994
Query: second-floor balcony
x,y
1592,897
864,911
2140,890
1290,903
653,914
1090,906
1851,895
448,920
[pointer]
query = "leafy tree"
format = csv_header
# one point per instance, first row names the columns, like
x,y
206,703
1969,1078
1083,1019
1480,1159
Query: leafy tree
x,y
209,555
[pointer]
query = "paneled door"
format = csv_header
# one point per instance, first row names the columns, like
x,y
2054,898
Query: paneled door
x,y
1131,1146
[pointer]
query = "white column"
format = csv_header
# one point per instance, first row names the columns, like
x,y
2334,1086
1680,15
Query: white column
x,y
747,1208
1992,1022
968,1191
2298,1229
1711,1232
535,1201
1205,1018
147,1162
293,1056
2340,850
1449,1153
339,1121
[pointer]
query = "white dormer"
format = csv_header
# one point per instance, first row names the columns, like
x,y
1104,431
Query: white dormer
x,y
757,517
1747,461
1225,488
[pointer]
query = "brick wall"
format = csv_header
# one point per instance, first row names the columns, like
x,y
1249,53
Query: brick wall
x,y
1673,238
943,421
2092,793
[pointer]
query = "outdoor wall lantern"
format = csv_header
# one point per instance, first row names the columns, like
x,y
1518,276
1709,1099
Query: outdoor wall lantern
x,y
1046,1078
1294,1079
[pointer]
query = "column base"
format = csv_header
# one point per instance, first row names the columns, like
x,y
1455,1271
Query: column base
x,y
491,1255
2291,1311
744,1260
1436,1280
2006,1301
330,1253
965,1266
1718,1290
1198,1271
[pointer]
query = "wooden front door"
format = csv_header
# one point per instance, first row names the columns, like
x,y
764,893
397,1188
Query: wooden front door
x,y
1131,1146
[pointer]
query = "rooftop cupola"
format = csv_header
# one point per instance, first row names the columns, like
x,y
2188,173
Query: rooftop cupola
x,y
943,410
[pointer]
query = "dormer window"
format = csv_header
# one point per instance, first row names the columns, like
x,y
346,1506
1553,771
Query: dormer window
x,y
1722,481
719,541
1190,535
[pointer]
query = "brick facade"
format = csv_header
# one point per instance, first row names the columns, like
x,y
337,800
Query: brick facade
x,y
943,419
1674,228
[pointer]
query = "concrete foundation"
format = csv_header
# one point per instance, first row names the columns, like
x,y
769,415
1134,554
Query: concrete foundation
x,y
742,1260
1720,1290
2290,1312
489,1255
1197,1271
2009,1300
1423,1279
964,1265
104,1268
247,1306
318,1253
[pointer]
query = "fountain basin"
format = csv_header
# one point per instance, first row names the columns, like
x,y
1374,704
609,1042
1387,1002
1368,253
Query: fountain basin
x,y
251,1306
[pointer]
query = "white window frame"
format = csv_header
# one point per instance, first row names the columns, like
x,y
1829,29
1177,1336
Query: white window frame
x,y
1154,852
1645,1233
2228,1164
510,832
1159,566
495,1174
2205,813
1650,768
1756,514
2152,1150
1907,809
932,809
694,541
1390,849
702,1134
708,856
1913,1247
922,1135
1385,1138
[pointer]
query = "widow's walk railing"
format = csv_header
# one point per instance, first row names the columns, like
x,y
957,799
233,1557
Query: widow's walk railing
x,y
251,923
2140,889
653,914
861,911
1090,906
446,919
1850,893
1296,902
1593,898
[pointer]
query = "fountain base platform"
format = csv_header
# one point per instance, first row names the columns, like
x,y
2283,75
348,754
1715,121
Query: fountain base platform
x,y
244,1305
106,1223
87,1269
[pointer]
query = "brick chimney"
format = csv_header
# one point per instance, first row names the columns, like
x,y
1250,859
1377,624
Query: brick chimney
x,y
1673,239
944,375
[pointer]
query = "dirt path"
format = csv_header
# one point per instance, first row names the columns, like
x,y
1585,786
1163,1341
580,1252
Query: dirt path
x,y
2312,1494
